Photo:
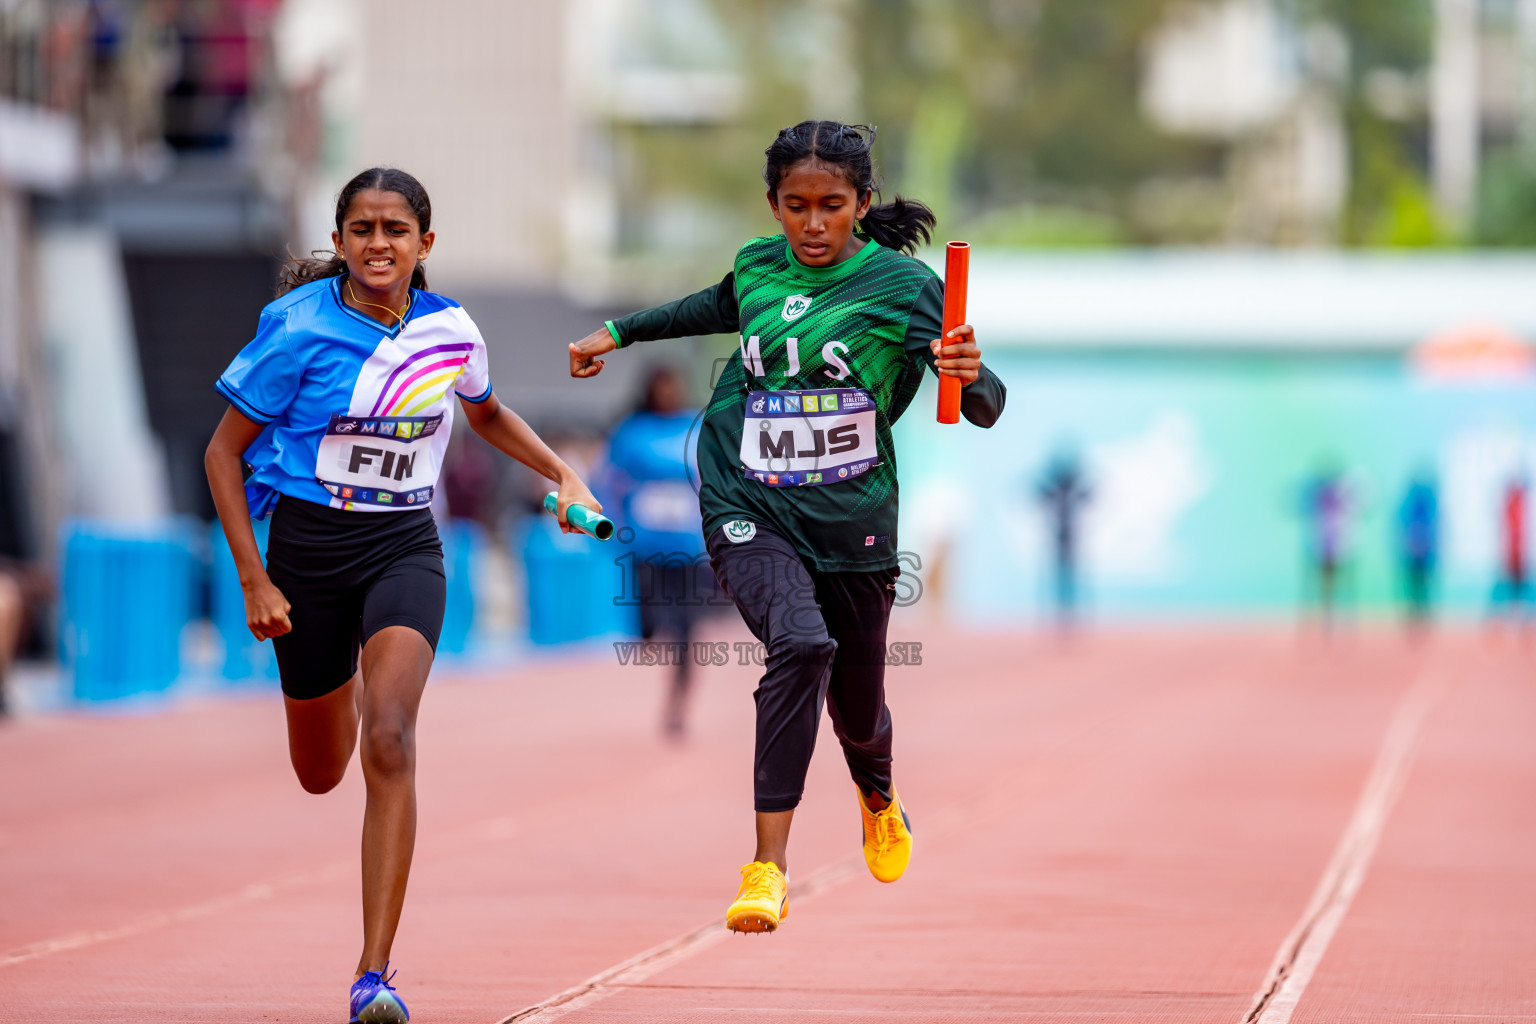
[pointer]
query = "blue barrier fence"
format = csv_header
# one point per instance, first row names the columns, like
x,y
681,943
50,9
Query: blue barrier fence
x,y
127,595
574,586
464,544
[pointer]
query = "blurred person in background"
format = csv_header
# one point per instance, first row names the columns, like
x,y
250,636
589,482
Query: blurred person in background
x,y
214,75
470,480
651,476
13,619
1511,590
1327,507
1063,493
342,406
838,325
1418,523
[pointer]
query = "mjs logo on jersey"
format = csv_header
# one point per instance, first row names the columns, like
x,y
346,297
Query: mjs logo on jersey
x,y
796,307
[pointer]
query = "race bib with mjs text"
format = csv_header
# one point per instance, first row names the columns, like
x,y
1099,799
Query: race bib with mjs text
x,y
801,438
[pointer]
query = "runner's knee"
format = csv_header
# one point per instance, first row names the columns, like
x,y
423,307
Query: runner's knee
x,y
388,748
807,654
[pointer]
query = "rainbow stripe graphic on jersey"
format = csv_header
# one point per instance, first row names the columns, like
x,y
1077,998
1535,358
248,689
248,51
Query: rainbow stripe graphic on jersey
x,y
432,380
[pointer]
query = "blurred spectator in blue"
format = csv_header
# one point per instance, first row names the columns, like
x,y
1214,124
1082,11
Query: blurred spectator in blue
x,y
1063,492
1418,520
651,482
1511,591
1326,508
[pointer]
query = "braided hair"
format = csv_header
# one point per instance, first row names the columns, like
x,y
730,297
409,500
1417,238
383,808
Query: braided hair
x,y
902,224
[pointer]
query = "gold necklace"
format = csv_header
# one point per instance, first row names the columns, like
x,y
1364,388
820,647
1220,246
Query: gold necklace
x,y
399,317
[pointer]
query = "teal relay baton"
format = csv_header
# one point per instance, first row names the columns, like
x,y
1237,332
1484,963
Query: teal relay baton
x,y
581,517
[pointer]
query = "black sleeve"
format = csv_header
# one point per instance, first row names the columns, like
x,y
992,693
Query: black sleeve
x,y
711,311
982,400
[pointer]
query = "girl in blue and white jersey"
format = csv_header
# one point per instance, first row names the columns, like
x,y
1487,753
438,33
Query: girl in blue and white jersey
x,y
340,412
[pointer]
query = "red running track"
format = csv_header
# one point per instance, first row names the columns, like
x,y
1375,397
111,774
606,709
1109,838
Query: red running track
x,y
1140,827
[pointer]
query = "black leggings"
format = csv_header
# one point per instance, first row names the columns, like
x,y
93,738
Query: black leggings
x,y
823,635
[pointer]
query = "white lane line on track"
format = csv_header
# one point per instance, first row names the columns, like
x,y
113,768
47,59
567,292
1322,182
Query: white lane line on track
x,y
658,958
481,831
250,894
1304,947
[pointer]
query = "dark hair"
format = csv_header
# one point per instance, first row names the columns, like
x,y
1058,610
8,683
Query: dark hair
x,y
658,373
900,224
320,263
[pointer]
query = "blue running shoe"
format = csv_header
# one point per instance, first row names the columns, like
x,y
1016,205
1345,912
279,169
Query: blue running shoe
x,y
375,1001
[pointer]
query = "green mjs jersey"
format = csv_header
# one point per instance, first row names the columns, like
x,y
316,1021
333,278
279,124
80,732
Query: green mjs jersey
x,y
798,433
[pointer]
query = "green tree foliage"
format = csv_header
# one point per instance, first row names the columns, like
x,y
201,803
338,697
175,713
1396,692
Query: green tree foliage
x,y
987,106
1506,202
1388,202
1395,34
1041,97
1020,120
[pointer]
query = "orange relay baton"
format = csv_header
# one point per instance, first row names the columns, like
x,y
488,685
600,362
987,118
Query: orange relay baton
x,y
957,268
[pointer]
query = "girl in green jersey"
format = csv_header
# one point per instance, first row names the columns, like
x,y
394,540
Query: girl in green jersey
x,y
838,324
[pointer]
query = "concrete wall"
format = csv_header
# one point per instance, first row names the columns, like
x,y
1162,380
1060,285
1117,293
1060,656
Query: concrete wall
x,y
467,96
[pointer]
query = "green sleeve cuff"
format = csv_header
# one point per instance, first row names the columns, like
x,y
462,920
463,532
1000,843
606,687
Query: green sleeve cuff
x,y
615,332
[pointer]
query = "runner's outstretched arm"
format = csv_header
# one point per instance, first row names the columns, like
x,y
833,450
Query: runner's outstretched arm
x,y
266,610
712,310
508,433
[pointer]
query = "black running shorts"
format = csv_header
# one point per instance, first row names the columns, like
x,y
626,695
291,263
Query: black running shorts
x,y
347,576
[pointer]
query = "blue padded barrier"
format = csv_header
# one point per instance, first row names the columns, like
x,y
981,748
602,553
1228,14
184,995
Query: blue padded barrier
x,y
463,544
574,588
128,592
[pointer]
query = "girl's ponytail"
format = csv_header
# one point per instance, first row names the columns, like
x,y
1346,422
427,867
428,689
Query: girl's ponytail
x,y
303,269
903,224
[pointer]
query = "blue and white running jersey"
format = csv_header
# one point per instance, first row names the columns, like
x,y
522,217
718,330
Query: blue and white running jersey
x,y
357,415
654,472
